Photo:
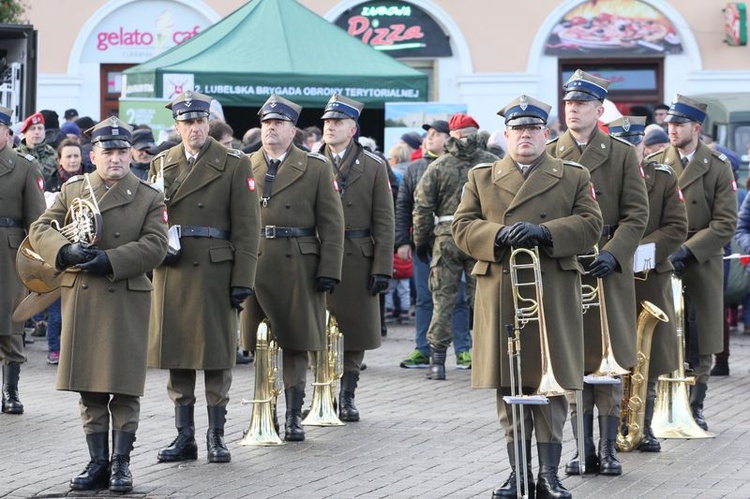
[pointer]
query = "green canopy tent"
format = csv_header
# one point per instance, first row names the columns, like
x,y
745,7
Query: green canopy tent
x,y
281,47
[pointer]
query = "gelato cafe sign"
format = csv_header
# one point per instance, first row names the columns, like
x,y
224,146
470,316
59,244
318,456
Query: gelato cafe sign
x,y
398,28
135,35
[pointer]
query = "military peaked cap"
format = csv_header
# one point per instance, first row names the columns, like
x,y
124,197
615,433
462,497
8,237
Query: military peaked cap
x,y
630,128
5,116
189,106
279,108
111,134
582,87
684,109
341,108
525,110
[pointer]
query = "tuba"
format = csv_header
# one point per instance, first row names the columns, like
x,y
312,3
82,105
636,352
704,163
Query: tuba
x,y
672,415
83,224
268,385
592,297
329,367
635,385
529,307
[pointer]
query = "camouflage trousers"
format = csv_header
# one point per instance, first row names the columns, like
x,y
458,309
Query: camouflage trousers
x,y
448,267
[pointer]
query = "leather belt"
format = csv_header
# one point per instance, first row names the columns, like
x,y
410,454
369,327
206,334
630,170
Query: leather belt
x,y
209,232
272,231
609,230
443,218
355,233
10,222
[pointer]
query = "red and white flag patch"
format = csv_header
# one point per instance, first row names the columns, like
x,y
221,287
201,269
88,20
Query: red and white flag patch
x,y
593,191
40,183
164,215
250,184
643,175
680,196
335,185
734,186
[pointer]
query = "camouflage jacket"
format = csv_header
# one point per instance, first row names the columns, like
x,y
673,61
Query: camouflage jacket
x,y
439,190
46,156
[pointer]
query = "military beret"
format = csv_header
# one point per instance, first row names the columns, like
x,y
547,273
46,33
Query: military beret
x,y
111,134
279,108
461,120
525,110
34,119
341,108
582,86
189,106
630,128
684,109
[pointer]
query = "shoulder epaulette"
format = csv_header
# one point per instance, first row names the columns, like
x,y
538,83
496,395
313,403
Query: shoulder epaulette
x,y
374,156
660,167
482,165
572,163
148,184
235,153
720,155
316,156
552,141
163,153
653,155
29,157
75,178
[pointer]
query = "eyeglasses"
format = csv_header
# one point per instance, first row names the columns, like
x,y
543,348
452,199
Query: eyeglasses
x,y
529,128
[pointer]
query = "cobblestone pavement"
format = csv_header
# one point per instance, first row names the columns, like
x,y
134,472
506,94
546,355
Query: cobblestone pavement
x,y
417,438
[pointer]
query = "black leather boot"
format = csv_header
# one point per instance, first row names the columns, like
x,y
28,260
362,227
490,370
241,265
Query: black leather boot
x,y
347,410
217,449
11,402
548,485
592,460
121,480
697,396
609,464
96,474
437,364
293,431
649,442
183,447
509,489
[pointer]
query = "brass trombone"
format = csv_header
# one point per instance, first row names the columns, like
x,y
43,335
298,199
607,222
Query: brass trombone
x,y
527,309
329,367
672,415
593,296
268,385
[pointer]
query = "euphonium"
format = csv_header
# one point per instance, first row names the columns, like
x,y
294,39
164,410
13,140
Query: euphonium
x,y
592,297
268,385
635,386
329,367
83,224
672,415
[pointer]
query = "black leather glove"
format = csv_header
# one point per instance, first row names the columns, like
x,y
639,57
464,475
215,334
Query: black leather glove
x,y
528,235
501,238
423,252
74,254
378,284
238,295
325,284
603,265
680,258
171,259
99,265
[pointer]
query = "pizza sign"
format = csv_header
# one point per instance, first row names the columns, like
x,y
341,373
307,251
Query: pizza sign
x,y
613,27
735,24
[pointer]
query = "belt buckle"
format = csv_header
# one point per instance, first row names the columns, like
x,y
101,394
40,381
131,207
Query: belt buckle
x,y
270,231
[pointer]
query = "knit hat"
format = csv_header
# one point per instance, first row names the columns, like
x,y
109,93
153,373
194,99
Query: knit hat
x,y
656,137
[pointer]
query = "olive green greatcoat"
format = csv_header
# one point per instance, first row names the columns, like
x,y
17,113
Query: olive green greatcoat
x,y
621,194
368,204
193,324
304,195
21,192
558,196
667,229
105,318
709,190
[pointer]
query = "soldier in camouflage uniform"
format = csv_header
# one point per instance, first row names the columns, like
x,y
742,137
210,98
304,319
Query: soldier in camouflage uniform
x,y
33,144
435,200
